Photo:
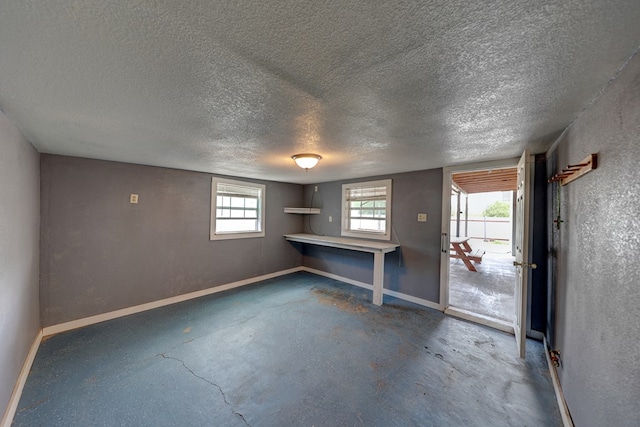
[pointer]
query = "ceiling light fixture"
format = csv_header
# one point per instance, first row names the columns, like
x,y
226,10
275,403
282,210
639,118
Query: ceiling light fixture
x,y
306,160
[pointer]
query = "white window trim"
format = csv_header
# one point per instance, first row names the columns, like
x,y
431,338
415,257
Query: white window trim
x,y
345,211
241,234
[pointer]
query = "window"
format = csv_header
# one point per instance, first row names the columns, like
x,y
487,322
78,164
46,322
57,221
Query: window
x,y
366,209
237,209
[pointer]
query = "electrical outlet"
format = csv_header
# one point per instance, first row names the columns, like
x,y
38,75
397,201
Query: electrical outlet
x,y
316,190
133,198
422,217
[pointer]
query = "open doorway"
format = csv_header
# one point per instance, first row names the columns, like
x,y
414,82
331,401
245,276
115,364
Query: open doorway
x,y
483,178
481,276
487,286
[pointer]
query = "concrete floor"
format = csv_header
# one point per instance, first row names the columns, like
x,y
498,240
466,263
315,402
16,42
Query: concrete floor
x,y
298,350
490,290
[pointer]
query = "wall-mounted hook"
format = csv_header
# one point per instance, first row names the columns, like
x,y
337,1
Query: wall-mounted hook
x,y
573,172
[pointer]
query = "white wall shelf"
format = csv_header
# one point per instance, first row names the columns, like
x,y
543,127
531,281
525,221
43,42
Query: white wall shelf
x,y
304,211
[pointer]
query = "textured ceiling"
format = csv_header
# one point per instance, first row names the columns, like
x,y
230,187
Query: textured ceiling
x,y
237,87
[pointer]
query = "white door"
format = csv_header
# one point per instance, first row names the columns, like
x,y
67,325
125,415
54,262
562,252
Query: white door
x,y
522,252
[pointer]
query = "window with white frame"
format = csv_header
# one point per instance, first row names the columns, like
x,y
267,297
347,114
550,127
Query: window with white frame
x,y
237,209
366,209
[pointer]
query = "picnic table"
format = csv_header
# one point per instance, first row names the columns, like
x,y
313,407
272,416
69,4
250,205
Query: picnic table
x,y
461,249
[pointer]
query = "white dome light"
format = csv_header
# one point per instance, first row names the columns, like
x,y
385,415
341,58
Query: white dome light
x,y
306,161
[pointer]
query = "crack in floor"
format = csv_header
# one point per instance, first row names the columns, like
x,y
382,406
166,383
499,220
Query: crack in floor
x,y
224,396
40,402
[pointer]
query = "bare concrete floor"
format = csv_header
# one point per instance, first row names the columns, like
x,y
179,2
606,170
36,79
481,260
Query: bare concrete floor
x,y
300,350
490,290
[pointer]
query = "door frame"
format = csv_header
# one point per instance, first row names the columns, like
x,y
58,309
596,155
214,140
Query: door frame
x,y
447,182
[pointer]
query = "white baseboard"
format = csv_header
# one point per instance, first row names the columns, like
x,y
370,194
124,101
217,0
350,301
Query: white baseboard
x,y
86,321
399,295
10,412
79,323
562,403
339,278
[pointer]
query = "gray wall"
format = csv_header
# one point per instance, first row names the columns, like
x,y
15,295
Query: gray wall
x,y
19,253
101,253
415,269
596,269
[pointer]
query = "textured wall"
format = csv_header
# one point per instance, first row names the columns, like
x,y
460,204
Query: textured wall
x,y
19,229
598,274
415,269
101,253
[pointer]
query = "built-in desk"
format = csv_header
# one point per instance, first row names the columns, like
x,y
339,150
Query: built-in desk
x,y
378,249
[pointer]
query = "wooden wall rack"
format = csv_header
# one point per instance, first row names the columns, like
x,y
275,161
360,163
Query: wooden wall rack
x,y
573,172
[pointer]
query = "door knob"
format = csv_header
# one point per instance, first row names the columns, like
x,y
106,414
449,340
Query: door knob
x,y
532,266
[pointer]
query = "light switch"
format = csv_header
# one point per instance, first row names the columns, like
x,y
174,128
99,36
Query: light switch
x,y
133,198
330,218
422,217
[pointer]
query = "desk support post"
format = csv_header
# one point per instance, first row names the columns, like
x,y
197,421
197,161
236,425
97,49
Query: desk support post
x,y
378,277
